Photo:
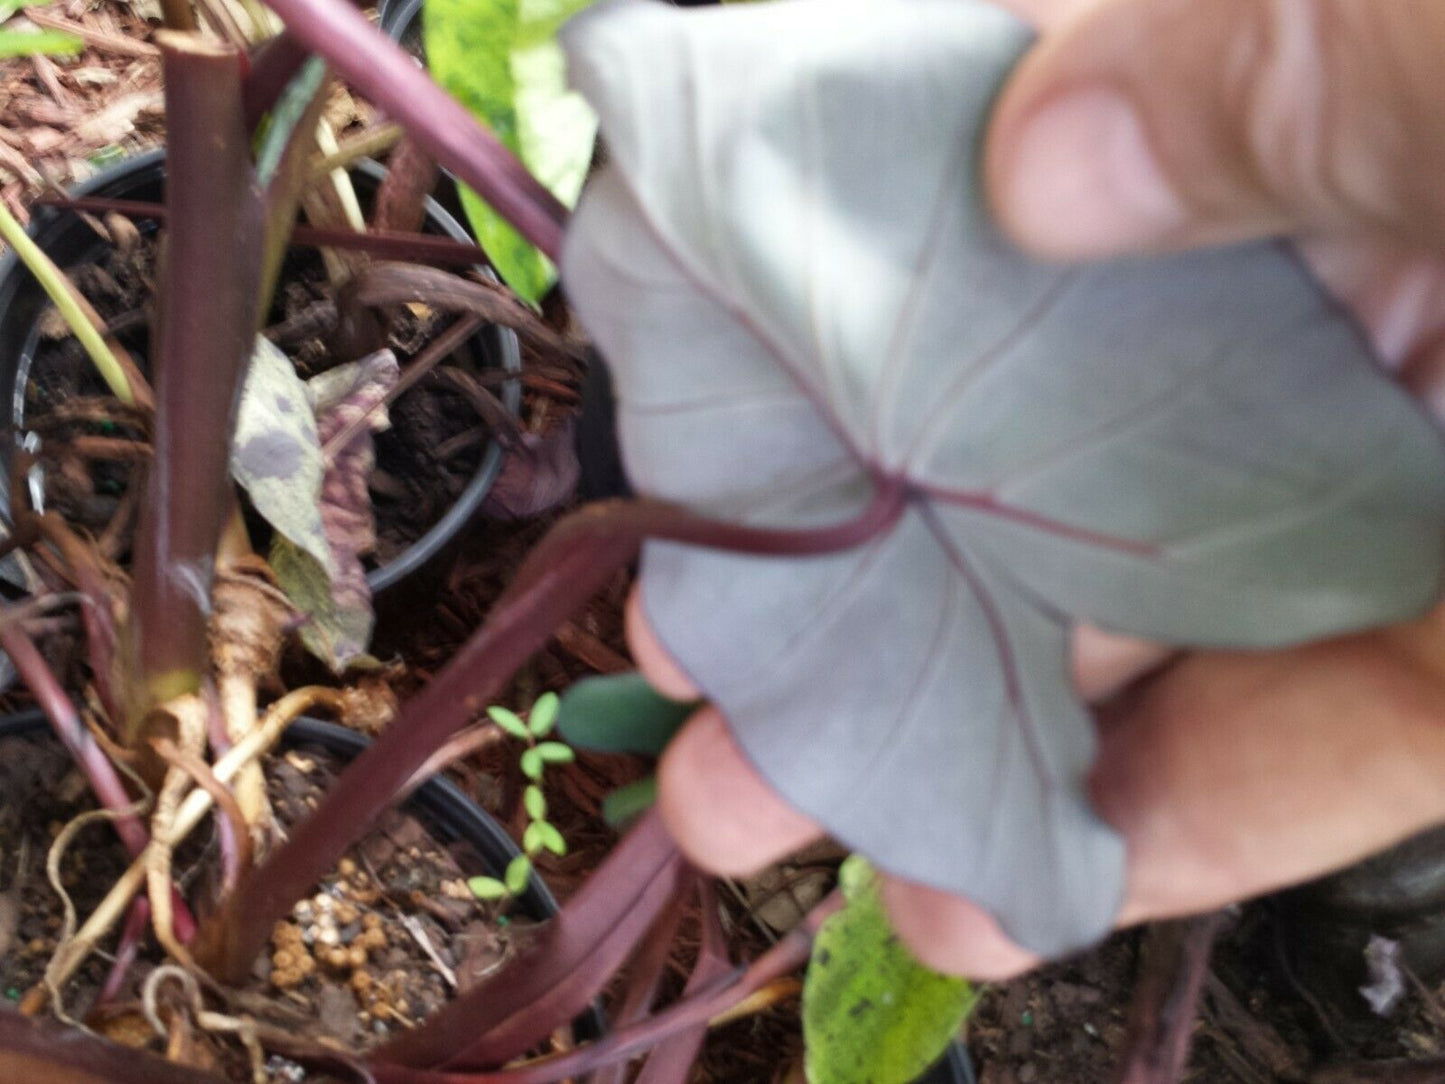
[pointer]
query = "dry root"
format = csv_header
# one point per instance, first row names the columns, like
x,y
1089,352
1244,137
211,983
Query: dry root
x,y
248,624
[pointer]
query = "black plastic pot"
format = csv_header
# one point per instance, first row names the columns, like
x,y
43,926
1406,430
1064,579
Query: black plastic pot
x,y
1398,894
449,814
69,241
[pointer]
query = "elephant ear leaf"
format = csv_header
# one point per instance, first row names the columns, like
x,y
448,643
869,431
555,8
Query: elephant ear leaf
x,y
870,1010
501,60
789,265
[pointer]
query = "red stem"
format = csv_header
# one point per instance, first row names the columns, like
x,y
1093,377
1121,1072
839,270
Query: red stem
x,y
99,772
127,950
207,325
383,244
576,558
337,30
786,956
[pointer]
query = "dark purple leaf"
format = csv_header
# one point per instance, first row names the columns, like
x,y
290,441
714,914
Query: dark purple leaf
x,y
539,475
40,1050
789,263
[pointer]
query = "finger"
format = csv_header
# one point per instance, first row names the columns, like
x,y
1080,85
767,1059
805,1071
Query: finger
x,y
1105,662
1154,124
1235,774
1045,14
722,814
653,660
952,935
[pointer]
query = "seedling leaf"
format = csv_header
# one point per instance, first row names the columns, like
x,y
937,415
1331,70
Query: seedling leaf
x,y
543,715
551,838
509,721
532,838
532,764
1196,448
519,869
554,752
487,888
621,713
870,1010
535,802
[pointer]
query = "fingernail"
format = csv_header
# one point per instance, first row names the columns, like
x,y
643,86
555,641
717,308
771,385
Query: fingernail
x,y
1083,180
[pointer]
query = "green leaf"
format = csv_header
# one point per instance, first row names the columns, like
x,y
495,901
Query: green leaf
x,y
519,870
532,764
625,803
10,7
543,716
551,838
871,1012
535,802
290,110
554,752
487,888
31,42
499,59
620,714
509,721
532,838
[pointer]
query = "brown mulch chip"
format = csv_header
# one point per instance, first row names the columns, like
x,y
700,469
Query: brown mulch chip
x,y
62,119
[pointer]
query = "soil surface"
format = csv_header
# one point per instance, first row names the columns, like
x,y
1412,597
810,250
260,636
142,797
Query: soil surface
x,y
1065,1024
424,460
383,942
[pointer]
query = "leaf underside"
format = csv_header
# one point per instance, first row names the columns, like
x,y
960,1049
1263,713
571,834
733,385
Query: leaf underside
x,y
871,1012
795,279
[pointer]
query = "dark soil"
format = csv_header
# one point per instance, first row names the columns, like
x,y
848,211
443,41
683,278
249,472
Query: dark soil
x,y
424,460
375,949
1258,1024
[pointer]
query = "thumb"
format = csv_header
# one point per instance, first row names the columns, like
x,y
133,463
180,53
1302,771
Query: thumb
x,y
1159,124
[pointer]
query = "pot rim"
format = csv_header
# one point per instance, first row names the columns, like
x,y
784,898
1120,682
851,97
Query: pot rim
x,y
442,802
507,353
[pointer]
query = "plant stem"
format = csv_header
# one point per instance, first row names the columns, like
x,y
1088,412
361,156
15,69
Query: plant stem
x,y
67,301
40,1050
197,804
379,68
207,325
577,557
414,247
705,1004
104,782
99,772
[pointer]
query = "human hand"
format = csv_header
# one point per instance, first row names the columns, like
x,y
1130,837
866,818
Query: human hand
x,y
1228,774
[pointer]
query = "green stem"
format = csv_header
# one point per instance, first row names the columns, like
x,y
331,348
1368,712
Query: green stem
x,y
53,281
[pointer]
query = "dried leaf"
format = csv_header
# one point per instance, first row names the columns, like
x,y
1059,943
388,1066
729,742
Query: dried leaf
x,y
790,265
537,477
336,596
276,453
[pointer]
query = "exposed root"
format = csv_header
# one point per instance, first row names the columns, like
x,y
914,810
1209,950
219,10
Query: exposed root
x,y
197,804
218,1023
200,773
190,715
247,627
66,940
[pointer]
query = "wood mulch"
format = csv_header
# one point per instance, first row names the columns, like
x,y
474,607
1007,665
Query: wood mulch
x,y
64,118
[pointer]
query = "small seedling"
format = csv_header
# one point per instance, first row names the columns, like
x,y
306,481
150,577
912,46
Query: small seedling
x,y
540,834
